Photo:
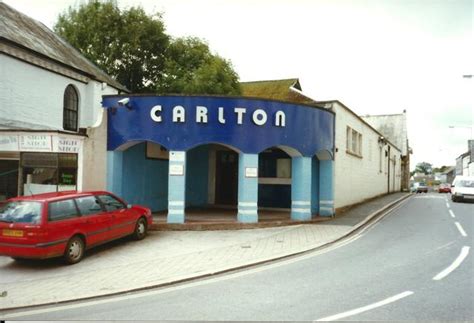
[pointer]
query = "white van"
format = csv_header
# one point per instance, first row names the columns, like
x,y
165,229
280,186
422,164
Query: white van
x,y
462,188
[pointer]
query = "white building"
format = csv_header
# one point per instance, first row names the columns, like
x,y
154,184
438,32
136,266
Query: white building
x,y
52,126
367,164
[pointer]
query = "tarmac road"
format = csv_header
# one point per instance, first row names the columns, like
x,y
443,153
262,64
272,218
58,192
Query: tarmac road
x,y
415,264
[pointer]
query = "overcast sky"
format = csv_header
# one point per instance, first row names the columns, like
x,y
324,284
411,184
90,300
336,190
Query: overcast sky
x,y
377,57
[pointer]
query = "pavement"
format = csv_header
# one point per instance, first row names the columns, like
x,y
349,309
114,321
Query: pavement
x,y
169,257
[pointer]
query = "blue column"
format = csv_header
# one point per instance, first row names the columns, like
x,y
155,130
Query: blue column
x,y
248,188
176,186
115,172
301,188
326,188
314,185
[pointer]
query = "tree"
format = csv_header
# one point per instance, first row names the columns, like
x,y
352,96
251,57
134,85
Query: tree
x,y
424,167
129,45
190,68
133,47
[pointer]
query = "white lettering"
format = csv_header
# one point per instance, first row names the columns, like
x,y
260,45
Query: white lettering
x,y
280,119
201,114
240,113
153,113
178,114
221,115
263,117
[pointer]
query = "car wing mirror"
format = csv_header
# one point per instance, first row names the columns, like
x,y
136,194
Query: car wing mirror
x,y
129,206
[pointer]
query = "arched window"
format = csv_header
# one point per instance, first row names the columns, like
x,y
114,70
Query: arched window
x,y
70,112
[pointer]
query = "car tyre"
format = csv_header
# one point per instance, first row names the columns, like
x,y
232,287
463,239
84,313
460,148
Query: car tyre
x,y
140,229
453,198
74,250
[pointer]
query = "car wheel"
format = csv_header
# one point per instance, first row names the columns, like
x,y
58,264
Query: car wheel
x,y
74,250
453,198
140,229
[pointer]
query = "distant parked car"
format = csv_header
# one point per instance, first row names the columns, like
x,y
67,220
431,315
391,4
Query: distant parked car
x,y
67,223
444,188
421,187
462,188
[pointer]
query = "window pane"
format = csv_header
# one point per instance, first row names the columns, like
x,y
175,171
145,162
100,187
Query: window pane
x,y
111,203
62,210
70,108
354,141
88,205
21,212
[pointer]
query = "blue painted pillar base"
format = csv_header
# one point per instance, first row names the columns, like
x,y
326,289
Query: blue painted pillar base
x,y
248,188
326,188
176,187
301,168
115,172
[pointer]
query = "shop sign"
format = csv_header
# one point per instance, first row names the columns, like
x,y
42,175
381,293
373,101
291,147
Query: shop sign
x,y
177,156
68,145
251,172
176,170
35,143
8,143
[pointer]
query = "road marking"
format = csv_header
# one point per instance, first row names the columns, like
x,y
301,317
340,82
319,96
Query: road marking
x,y
210,280
452,214
454,265
447,205
461,230
368,307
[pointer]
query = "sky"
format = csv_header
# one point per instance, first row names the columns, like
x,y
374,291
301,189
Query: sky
x,y
375,56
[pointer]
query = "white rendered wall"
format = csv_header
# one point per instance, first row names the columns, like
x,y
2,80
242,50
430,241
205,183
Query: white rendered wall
x,y
35,96
357,179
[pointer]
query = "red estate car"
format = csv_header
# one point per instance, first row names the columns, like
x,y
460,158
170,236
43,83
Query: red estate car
x,y
67,223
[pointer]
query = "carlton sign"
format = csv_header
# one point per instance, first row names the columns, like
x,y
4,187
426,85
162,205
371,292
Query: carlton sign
x,y
259,116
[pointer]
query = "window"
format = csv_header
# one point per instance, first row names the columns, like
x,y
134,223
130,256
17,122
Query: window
x,y
70,108
20,212
88,205
353,142
111,203
61,210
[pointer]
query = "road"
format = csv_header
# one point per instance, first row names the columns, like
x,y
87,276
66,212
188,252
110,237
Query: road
x,y
414,264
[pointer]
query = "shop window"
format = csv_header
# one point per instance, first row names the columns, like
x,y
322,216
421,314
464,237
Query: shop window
x,y
48,172
70,108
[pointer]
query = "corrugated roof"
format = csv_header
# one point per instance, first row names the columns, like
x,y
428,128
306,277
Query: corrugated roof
x,y
276,90
36,37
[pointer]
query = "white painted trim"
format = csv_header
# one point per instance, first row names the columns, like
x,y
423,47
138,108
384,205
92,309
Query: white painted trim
x,y
246,204
171,211
247,211
326,202
175,203
300,202
295,210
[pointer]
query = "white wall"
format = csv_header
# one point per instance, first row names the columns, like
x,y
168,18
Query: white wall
x,y
359,178
34,95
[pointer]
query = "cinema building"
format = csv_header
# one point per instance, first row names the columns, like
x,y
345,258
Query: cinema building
x,y
248,154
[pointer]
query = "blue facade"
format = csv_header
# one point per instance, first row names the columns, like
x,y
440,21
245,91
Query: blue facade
x,y
188,126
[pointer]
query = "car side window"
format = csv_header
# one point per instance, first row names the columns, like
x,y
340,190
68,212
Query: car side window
x,y
60,210
88,205
111,203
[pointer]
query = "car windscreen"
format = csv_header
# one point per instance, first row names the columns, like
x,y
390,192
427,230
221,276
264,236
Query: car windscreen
x,y
20,212
465,183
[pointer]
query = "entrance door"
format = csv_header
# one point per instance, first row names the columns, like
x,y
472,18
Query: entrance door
x,y
227,172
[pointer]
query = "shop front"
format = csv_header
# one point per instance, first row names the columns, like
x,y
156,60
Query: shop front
x,y
38,162
174,153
